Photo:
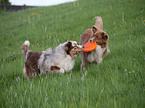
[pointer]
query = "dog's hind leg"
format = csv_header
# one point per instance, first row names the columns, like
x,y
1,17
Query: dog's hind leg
x,y
25,72
57,69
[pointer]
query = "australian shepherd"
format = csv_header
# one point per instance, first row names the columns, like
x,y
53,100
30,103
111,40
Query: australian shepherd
x,y
96,34
61,59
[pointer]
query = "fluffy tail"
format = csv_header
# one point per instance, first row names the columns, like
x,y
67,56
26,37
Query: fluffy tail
x,y
24,48
99,23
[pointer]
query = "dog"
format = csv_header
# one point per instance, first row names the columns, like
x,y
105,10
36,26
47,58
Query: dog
x,y
96,34
61,59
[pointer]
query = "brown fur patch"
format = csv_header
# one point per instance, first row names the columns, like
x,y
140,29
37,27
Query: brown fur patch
x,y
54,68
31,63
86,36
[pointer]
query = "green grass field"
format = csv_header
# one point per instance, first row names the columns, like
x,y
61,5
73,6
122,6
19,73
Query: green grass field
x,y
118,82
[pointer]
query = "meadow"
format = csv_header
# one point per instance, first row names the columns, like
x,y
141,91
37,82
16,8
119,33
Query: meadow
x,y
118,82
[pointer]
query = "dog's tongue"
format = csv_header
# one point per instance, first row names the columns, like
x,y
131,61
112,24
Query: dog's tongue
x,y
89,46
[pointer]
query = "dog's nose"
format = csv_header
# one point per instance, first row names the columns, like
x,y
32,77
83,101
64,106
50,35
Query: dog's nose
x,y
83,47
90,40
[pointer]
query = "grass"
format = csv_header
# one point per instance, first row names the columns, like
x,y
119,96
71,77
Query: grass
x,y
118,82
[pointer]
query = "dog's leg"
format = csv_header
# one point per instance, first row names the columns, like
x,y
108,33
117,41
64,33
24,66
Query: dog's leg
x,y
25,72
84,57
99,54
29,72
105,53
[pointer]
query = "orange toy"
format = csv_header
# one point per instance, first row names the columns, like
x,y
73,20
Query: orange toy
x,y
89,46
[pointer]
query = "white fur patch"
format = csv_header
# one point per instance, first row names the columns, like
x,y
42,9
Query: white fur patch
x,y
57,57
27,43
96,55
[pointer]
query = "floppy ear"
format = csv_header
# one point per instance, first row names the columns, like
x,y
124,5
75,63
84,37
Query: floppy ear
x,y
94,29
68,44
105,37
68,47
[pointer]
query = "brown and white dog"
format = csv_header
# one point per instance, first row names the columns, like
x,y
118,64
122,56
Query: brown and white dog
x,y
96,34
61,59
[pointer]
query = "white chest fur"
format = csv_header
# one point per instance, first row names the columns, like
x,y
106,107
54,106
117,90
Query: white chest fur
x,y
96,55
67,63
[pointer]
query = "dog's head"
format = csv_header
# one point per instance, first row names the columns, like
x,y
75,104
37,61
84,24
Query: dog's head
x,y
100,37
73,49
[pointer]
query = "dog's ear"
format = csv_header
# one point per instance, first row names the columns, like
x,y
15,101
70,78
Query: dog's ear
x,y
94,29
68,44
68,47
105,37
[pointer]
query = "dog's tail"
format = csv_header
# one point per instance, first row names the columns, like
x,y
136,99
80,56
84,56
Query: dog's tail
x,y
99,22
24,48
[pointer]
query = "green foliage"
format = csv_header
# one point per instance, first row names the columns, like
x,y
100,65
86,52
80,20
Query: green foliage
x,y
117,82
4,2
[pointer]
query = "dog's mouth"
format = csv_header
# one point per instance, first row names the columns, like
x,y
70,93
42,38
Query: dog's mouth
x,y
79,52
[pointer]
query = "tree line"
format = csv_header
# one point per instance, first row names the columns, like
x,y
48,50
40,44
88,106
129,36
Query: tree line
x,y
4,2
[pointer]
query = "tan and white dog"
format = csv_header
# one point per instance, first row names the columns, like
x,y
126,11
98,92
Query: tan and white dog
x,y
61,59
96,34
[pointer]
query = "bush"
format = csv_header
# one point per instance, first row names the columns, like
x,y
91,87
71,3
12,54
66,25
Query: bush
x,y
4,2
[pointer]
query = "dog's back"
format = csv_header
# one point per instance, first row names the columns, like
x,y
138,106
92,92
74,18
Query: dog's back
x,y
85,36
88,33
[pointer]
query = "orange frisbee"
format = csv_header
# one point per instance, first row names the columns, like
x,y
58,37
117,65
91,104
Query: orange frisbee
x,y
89,46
